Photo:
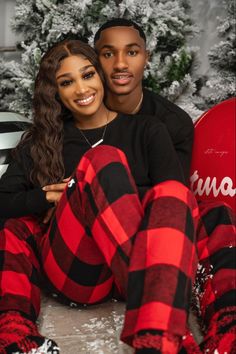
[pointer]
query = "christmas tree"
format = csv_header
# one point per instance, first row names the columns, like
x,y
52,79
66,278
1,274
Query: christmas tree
x,y
44,22
222,57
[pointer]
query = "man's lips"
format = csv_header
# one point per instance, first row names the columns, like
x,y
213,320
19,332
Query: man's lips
x,y
121,78
85,100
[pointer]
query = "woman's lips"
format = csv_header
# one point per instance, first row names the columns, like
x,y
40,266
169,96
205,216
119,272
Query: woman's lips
x,y
86,100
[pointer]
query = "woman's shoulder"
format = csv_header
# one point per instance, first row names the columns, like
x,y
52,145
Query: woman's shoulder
x,y
69,127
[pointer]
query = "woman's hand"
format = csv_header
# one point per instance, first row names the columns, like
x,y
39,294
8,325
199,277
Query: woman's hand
x,y
53,195
54,191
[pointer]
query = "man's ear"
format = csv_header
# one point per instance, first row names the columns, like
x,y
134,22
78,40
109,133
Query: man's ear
x,y
147,56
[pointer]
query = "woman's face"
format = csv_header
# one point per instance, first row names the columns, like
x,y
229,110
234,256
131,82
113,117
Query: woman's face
x,y
79,86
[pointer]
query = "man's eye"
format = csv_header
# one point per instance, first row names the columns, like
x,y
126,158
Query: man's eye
x,y
107,54
65,83
132,53
88,75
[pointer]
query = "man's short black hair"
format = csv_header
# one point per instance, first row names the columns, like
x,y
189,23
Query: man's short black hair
x,y
115,22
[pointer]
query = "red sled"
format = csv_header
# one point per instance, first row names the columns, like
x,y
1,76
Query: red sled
x,y
213,161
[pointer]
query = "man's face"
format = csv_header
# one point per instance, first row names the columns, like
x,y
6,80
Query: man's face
x,y
123,56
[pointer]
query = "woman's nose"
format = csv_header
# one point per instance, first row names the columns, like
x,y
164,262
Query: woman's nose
x,y
81,87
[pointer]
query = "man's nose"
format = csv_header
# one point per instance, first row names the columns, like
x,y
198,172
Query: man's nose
x,y
121,62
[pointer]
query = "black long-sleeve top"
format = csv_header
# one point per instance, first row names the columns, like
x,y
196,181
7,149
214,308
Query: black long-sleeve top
x,y
177,122
144,140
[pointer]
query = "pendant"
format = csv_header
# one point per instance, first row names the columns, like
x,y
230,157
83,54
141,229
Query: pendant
x,y
97,143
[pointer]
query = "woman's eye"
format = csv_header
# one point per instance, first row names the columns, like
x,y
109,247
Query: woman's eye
x,y
88,75
132,53
65,83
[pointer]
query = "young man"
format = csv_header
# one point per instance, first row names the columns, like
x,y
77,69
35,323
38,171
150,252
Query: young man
x,y
121,46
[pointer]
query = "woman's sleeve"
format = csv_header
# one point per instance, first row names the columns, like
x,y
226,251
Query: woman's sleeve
x,y
17,197
163,161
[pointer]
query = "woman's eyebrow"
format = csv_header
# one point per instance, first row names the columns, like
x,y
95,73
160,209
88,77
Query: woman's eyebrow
x,y
81,70
64,74
85,68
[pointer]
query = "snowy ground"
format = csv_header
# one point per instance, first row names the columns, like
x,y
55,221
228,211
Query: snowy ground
x,y
88,330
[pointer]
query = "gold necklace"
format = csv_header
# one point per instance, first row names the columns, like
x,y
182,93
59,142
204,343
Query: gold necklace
x,y
102,137
135,110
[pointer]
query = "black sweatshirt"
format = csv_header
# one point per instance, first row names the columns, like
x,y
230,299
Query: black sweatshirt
x,y
177,122
144,140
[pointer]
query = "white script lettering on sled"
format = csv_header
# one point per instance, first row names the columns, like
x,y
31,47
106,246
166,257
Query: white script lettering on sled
x,y
199,186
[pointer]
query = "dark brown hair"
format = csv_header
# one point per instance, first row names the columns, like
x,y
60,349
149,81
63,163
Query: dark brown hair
x,y
46,133
118,22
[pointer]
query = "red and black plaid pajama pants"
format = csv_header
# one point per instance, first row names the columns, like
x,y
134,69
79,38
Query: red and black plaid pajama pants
x,y
103,235
215,284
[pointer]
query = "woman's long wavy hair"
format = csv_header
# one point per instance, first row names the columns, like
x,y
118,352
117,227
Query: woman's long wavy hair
x,y
45,136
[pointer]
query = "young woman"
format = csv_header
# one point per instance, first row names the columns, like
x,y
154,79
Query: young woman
x,y
95,203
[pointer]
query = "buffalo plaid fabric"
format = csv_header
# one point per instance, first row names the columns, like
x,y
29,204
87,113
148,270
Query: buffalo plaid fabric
x,y
19,267
101,235
214,290
216,274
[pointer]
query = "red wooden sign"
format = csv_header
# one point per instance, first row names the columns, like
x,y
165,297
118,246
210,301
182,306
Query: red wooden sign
x,y
213,164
